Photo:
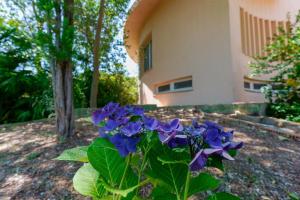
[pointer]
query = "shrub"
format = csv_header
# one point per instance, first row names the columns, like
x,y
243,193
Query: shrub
x,y
135,150
282,60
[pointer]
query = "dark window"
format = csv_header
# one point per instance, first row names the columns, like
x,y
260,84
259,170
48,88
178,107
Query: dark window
x,y
148,56
183,84
164,88
258,86
247,85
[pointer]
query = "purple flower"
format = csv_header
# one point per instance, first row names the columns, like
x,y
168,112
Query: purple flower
x,y
124,144
201,157
178,141
134,110
150,123
213,138
232,145
132,128
172,126
98,116
110,125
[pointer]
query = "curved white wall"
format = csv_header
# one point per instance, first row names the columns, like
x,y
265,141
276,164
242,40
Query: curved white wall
x,y
190,38
276,10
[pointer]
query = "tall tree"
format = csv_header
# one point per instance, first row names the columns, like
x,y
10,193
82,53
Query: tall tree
x,y
62,70
96,56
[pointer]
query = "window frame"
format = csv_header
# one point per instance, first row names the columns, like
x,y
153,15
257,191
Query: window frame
x,y
172,84
149,48
252,88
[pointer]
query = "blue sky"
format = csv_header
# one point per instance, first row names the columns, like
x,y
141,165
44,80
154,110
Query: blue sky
x,y
130,65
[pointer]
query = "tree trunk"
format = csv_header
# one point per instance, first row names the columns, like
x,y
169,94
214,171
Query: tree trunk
x,y
62,71
96,56
64,100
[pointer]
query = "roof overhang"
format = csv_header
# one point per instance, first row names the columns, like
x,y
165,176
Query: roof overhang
x,y
138,14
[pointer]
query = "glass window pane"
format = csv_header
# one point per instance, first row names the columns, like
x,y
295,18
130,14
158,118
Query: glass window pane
x,y
247,85
148,56
164,88
183,84
258,86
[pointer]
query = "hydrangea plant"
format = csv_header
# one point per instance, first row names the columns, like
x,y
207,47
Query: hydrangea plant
x,y
136,151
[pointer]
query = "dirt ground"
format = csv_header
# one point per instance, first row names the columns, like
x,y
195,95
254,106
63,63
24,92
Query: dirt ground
x,y
268,167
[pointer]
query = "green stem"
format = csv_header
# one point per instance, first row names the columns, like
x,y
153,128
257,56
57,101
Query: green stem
x,y
187,185
124,173
142,168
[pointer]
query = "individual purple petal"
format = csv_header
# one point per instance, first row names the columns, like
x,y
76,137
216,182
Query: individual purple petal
x,y
138,111
98,116
213,125
201,157
198,162
213,138
227,136
173,125
120,113
132,128
165,137
110,125
225,155
211,151
150,123
125,145
135,110
236,145
178,141
165,127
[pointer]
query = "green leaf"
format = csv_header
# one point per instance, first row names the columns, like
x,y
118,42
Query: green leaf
x,y
223,196
203,182
122,192
171,176
75,154
294,196
232,152
86,182
105,158
159,193
215,161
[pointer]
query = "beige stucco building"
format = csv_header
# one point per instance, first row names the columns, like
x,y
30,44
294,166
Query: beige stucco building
x,y
193,52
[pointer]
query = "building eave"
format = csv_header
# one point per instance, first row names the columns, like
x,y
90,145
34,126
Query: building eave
x,y
138,14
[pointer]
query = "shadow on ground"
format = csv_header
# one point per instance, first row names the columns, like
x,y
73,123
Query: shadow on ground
x,y
266,168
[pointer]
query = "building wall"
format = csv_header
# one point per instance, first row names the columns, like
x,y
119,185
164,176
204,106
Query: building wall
x,y
273,13
189,38
211,41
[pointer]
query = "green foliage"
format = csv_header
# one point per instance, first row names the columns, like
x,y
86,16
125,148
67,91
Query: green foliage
x,y
223,196
282,59
109,176
28,52
75,154
113,87
86,182
25,90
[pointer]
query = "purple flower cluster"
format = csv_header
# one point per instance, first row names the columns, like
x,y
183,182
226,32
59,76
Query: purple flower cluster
x,y
124,126
214,140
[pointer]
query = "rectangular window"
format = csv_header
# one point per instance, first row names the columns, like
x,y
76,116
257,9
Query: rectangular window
x,y
148,56
164,88
183,85
247,85
258,86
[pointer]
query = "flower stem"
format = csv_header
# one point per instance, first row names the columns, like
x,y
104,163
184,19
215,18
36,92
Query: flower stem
x,y
187,185
124,173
